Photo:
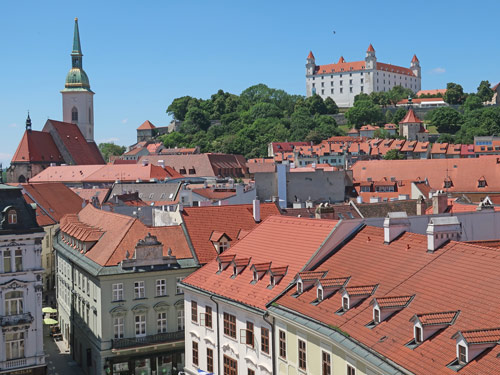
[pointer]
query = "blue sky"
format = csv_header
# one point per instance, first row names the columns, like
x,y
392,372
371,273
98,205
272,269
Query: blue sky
x,y
139,56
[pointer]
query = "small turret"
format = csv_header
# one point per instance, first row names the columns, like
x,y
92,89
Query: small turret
x,y
370,59
415,66
28,122
311,64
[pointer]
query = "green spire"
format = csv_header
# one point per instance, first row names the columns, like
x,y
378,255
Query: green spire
x,y
77,48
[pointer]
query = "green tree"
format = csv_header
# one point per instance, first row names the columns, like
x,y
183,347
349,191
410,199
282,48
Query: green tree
x,y
196,118
398,93
316,105
446,119
331,106
179,107
393,155
399,115
472,102
381,133
380,98
388,117
364,112
445,138
109,148
454,94
484,91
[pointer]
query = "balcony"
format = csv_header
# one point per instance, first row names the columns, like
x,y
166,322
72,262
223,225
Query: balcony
x,y
15,363
14,320
159,338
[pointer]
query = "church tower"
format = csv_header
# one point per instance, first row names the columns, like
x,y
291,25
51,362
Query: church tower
x,y
78,101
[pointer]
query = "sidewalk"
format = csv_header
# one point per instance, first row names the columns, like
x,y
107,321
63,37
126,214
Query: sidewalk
x,y
59,362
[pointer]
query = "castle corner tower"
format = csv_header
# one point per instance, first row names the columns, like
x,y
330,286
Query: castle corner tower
x,y
78,101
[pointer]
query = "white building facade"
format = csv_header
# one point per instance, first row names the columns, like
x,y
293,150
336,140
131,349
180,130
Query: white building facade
x,y
344,80
21,339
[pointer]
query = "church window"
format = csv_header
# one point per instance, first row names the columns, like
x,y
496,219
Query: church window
x,y
74,114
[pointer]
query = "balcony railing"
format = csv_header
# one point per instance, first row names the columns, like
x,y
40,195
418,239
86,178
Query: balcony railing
x,y
159,338
12,320
15,363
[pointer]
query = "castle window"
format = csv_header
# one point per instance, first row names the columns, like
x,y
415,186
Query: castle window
x,y
74,114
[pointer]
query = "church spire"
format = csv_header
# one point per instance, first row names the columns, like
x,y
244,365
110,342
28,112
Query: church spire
x,y
76,54
28,122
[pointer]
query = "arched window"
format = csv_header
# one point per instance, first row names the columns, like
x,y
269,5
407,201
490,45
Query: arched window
x,y
14,303
12,217
74,114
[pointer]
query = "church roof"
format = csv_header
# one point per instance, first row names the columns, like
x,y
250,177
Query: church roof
x,y
146,125
37,146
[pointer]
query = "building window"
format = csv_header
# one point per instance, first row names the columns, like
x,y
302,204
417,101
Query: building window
x,y
331,91
322,92
180,319
14,345
361,80
210,360
161,287
140,325
194,312
302,355
223,246
331,83
162,322
418,334
362,89
7,267
249,337
462,354
230,325
12,217
326,367
195,353
178,289
230,366
322,83
208,317
300,287
74,114
345,303
340,83
350,81
18,260
13,303
264,339
341,90
118,324
376,316
314,85
320,294
118,292
351,370
282,344
350,89
139,291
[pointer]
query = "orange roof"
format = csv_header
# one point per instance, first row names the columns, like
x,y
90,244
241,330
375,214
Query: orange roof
x,y
421,147
431,92
202,221
361,290
414,59
333,282
370,48
36,146
116,234
286,242
482,336
393,302
410,117
310,56
394,69
464,172
439,148
369,127
404,267
53,201
353,131
215,194
341,66
146,125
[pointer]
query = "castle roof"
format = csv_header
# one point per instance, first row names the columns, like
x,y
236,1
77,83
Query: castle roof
x,y
310,56
146,125
370,48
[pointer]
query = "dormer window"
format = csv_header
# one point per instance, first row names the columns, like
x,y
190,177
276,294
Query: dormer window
x,y
418,335
235,271
272,281
12,217
255,276
376,316
471,344
426,325
300,287
481,183
320,294
221,241
462,353
345,303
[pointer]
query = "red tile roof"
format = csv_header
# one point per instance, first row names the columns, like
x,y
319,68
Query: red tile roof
x,y
116,234
333,282
438,318
53,201
370,48
482,336
36,146
215,194
361,290
311,275
310,56
202,221
393,302
410,118
464,172
87,194
431,92
146,125
284,241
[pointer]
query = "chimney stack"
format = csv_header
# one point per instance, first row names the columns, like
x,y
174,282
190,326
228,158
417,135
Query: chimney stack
x,y
439,202
441,230
256,210
420,206
161,163
394,225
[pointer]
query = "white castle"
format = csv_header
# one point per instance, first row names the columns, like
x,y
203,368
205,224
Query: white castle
x,y
344,80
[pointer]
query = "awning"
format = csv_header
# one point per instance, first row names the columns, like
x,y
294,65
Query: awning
x,y
49,310
50,321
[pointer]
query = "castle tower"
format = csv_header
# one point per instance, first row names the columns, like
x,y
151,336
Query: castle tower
x,y
78,101
370,59
415,66
311,64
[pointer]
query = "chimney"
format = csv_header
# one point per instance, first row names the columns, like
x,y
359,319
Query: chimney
x,y
441,230
256,210
161,163
420,206
395,224
439,202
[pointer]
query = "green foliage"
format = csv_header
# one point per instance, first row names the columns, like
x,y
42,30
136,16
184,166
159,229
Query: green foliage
x,y
472,102
445,138
393,155
445,119
484,91
364,112
388,117
381,133
398,93
108,149
479,122
454,94
399,115
250,121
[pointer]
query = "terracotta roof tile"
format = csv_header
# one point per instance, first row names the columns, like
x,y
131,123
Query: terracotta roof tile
x,y
482,336
410,117
438,318
311,275
36,146
361,290
260,267
146,125
333,282
393,302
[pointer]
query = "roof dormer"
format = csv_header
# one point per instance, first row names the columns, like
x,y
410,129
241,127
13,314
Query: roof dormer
x,y
385,307
481,183
326,287
276,274
259,270
239,264
354,295
426,325
221,241
470,344
224,261
307,279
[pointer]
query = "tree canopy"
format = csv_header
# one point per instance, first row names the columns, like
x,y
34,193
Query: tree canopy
x,y
108,149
